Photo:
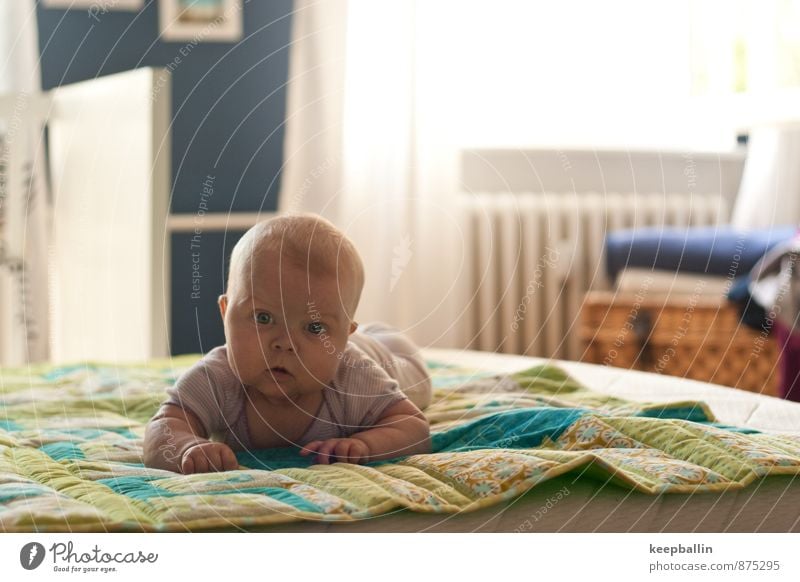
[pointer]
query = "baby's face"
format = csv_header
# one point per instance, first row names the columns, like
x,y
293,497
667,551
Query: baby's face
x,y
285,328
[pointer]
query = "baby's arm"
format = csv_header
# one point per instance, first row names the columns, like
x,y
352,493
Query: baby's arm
x,y
402,430
175,440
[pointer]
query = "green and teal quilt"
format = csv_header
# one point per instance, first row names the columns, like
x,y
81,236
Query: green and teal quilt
x,y
71,445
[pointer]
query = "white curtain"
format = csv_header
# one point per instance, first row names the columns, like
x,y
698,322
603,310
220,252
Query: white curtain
x,y
24,215
769,194
370,145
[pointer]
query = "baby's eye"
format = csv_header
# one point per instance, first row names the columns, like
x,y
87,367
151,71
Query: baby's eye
x,y
316,327
263,317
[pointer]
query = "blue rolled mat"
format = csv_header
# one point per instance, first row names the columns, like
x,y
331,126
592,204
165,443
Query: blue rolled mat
x,y
713,250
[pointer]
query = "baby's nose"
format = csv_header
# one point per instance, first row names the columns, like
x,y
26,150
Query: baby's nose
x,y
282,342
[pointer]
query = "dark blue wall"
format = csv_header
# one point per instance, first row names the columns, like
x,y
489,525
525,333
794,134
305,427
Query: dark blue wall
x,y
228,103
196,322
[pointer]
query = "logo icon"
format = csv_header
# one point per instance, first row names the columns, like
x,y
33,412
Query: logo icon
x,y
31,555
402,255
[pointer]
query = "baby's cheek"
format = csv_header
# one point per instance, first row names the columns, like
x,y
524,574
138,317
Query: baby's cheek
x,y
245,355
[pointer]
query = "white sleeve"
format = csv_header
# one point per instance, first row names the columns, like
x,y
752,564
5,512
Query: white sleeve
x,y
364,390
210,390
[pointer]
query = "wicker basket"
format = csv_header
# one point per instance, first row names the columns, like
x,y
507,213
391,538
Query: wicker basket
x,y
681,335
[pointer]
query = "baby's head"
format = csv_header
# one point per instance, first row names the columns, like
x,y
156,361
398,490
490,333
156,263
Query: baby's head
x,y
293,289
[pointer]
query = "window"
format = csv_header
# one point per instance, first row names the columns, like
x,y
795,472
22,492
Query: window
x,y
667,74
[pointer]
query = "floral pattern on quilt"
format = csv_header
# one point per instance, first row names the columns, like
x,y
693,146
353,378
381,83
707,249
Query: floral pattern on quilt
x,y
590,432
483,473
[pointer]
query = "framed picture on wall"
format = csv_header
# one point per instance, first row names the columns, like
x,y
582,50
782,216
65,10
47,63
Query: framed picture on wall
x,y
98,6
200,20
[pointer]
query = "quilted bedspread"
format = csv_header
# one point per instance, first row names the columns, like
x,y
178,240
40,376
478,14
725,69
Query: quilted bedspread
x,y
71,444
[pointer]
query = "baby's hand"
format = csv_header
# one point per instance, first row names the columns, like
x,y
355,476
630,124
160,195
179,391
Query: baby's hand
x,y
208,457
338,450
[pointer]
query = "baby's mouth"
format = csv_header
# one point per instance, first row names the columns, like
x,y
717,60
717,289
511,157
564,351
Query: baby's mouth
x,y
279,373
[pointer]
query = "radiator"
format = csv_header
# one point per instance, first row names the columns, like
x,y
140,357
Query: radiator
x,y
532,257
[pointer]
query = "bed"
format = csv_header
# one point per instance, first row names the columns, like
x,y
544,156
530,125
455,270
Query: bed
x,y
521,445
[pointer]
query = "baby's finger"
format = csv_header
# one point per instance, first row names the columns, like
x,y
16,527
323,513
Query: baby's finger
x,y
359,453
325,452
229,460
187,465
365,454
356,456
218,456
310,448
214,456
200,461
342,451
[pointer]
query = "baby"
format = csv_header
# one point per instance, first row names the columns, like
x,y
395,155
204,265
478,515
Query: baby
x,y
294,370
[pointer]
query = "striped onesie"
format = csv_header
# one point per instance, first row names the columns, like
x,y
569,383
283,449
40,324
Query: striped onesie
x,y
379,367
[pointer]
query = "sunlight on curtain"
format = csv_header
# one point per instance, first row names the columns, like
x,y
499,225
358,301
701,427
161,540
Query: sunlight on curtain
x,y
400,168
24,205
744,46
664,74
369,145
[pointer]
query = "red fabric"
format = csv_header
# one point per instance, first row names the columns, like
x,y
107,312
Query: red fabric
x,y
789,346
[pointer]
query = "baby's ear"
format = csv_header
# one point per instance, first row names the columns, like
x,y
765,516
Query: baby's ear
x,y
223,305
353,327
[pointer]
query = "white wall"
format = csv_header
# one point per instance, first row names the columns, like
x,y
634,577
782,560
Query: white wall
x,y
552,170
